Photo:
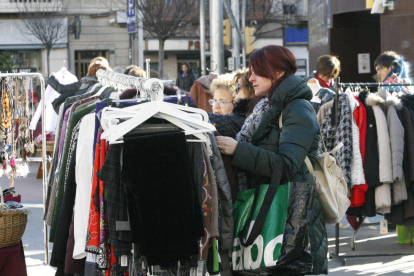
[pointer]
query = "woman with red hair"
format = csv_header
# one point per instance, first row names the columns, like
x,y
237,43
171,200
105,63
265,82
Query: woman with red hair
x,y
261,147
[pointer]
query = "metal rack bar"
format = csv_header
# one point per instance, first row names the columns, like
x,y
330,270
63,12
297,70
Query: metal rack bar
x,y
44,182
335,255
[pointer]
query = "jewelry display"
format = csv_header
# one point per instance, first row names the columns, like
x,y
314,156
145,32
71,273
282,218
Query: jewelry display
x,y
16,138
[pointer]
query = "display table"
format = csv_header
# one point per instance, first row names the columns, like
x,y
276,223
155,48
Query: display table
x,y
12,261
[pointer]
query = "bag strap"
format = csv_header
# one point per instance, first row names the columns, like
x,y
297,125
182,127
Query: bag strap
x,y
264,209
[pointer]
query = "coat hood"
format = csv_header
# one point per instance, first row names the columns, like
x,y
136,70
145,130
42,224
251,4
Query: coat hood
x,y
373,100
392,99
294,87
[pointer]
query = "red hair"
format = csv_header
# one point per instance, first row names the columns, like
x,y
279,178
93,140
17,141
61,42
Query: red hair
x,y
270,60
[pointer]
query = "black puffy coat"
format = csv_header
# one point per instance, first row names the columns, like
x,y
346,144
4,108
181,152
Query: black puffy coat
x,y
185,83
298,138
230,125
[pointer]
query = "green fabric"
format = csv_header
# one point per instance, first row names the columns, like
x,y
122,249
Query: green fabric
x,y
298,139
74,119
403,234
266,248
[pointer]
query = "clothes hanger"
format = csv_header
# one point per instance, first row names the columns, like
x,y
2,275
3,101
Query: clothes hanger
x,y
158,109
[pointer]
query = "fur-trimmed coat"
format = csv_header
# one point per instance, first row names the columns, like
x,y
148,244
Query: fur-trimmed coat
x,y
383,192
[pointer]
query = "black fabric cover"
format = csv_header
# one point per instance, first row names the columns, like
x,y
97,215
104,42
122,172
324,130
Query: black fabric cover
x,y
157,172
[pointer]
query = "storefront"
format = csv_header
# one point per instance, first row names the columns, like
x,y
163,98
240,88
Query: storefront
x,y
25,52
356,36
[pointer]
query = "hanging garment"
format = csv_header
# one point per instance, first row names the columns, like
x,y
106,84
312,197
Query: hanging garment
x,y
371,163
224,196
357,171
84,173
51,118
97,235
343,133
396,130
163,189
360,117
72,265
68,200
408,101
383,192
116,203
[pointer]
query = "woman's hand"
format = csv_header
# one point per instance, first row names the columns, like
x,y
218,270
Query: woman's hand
x,y
226,145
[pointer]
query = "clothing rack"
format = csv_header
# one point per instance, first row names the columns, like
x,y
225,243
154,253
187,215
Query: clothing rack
x,y
335,255
42,89
152,89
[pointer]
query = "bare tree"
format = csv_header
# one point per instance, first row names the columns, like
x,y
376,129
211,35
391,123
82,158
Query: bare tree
x,y
44,21
164,19
263,12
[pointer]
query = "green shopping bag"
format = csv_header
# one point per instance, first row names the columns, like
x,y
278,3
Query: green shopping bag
x,y
264,236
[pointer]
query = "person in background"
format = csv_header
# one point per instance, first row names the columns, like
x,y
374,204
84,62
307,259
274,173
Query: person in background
x,y
391,68
135,71
185,77
261,147
327,69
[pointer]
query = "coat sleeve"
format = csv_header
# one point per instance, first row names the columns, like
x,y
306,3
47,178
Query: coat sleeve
x,y
227,125
296,138
63,88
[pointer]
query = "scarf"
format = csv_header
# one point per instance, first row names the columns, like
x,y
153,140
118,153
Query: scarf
x,y
184,75
250,125
323,83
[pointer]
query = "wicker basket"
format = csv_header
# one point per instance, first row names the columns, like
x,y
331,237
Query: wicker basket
x,y
12,226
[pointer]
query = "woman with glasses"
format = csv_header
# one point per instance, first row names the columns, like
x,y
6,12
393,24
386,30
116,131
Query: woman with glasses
x,y
232,95
327,69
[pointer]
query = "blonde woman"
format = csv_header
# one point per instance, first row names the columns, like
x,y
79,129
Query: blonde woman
x,y
232,94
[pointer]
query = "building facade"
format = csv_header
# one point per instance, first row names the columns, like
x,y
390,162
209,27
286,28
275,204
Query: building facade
x,y
98,28
357,37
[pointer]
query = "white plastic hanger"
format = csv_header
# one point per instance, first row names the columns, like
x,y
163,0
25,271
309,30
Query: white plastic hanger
x,y
156,109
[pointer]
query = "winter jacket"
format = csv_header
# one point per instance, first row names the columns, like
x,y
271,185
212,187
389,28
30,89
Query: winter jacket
x,y
396,130
230,125
297,139
186,82
383,192
224,196
408,101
